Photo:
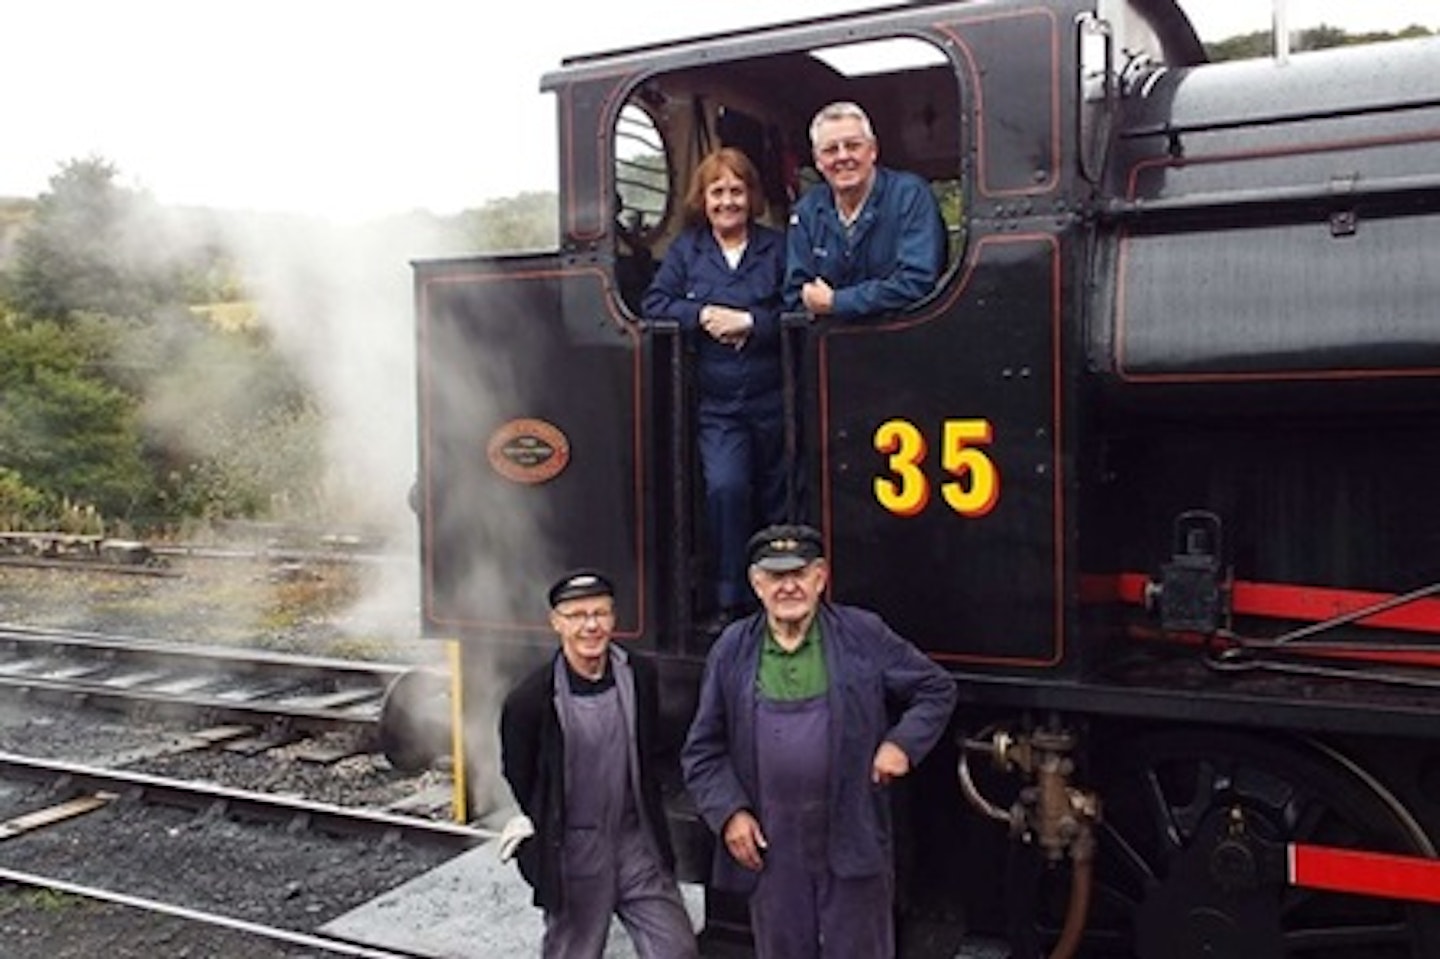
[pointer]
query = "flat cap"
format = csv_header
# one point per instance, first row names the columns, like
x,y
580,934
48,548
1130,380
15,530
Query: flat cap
x,y
785,547
580,584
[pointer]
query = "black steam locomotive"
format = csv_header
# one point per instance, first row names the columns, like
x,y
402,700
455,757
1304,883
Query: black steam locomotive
x,y
1155,471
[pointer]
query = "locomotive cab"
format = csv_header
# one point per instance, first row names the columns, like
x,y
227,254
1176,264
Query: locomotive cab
x,y
580,405
666,124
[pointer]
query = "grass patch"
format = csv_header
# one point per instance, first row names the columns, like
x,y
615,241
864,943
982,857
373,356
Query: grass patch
x,y
31,899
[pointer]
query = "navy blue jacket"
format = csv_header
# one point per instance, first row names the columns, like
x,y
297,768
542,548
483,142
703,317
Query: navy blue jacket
x,y
694,274
867,663
893,259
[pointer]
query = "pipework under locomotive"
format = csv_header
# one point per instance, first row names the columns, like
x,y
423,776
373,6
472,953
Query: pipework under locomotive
x,y
1151,471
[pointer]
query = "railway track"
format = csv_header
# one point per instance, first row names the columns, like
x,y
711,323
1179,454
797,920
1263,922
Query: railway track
x,y
76,791
104,784
80,552
211,920
208,919
138,851
283,694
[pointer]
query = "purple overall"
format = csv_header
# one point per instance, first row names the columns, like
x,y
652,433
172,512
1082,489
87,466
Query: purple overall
x,y
611,867
800,909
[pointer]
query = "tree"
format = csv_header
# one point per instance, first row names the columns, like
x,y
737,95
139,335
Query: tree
x,y
231,427
20,504
64,431
1251,46
114,392
526,221
94,246
1247,46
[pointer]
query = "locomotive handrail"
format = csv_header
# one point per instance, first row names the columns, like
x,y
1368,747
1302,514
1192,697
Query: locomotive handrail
x,y
1358,614
679,432
1261,653
1089,23
789,323
1172,130
1239,659
1273,196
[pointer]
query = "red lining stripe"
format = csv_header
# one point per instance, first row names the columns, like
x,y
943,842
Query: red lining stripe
x,y
1364,873
1282,601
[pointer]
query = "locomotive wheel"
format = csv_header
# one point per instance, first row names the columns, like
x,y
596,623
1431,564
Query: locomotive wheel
x,y
1191,859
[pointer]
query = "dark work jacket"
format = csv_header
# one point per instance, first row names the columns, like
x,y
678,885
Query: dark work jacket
x,y
533,761
694,274
891,261
868,664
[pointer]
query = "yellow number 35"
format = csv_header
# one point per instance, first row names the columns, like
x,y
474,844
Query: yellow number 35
x,y
906,492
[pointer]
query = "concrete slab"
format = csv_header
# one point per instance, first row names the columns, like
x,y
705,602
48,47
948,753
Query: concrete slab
x,y
472,907
475,907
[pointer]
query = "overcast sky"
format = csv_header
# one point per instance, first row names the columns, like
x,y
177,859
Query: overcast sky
x,y
348,109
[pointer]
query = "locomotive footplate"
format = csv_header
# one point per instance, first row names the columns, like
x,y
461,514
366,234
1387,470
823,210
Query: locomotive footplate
x,y
1147,687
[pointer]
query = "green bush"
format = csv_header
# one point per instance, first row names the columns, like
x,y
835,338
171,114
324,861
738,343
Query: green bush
x,y
21,506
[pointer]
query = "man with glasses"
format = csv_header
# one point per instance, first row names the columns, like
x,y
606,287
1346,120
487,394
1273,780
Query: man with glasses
x,y
792,749
869,239
579,744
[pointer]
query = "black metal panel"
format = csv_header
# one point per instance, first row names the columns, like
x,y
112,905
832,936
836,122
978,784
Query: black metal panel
x,y
587,116
514,389
967,588
1277,223
1330,500
1280,298
1013,58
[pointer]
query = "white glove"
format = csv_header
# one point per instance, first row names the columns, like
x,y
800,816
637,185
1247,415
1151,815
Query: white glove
x,y
516,831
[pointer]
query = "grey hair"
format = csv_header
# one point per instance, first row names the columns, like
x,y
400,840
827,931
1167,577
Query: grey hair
x,y
840,110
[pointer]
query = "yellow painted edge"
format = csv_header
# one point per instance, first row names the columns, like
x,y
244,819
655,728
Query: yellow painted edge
x,y
457,735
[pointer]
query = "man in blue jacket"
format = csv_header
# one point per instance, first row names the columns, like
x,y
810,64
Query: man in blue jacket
x,y
870,239
791,751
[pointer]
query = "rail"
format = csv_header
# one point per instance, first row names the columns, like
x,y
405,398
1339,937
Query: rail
x,y
241,804
273,933
301,694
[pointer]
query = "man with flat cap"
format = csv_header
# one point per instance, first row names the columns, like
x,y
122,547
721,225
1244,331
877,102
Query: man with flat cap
x,y
578,739
792,749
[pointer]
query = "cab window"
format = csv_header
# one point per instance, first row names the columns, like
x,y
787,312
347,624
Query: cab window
x,y
763,106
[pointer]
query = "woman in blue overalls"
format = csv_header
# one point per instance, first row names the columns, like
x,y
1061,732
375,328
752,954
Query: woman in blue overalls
x,y
720,280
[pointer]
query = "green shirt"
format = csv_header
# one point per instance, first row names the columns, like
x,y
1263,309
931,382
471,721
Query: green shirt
x,y
799,674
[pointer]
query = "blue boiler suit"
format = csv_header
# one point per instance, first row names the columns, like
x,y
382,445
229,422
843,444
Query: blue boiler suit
x,y
890,259
741,426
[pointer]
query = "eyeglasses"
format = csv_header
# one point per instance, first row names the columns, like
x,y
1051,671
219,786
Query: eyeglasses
x,y
581,616
834,148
